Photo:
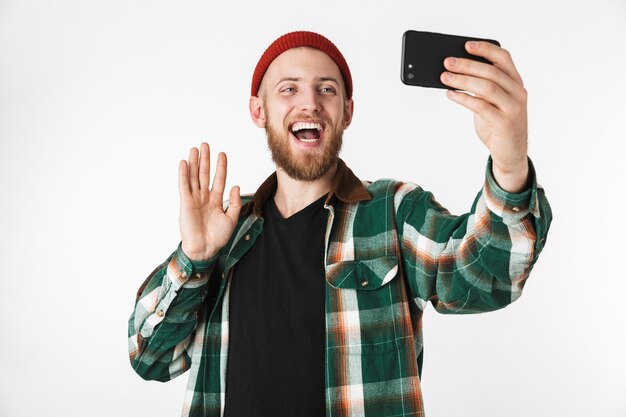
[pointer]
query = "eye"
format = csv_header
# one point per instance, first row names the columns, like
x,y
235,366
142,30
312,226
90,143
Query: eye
x,y
288,90
328,90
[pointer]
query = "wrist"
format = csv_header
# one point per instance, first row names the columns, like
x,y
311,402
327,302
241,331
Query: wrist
x,y
512,178
196,255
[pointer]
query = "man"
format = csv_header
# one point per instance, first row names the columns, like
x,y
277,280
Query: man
x,y
306,298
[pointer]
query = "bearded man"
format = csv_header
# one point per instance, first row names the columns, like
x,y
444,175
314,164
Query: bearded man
x,y
306,298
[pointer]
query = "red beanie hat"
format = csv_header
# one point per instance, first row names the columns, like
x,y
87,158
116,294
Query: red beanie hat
x,y
295,40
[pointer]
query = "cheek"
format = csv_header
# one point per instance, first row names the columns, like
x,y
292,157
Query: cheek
x,y
278,113
337,111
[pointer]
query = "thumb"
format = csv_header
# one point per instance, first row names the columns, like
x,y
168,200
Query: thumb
x,y
234,204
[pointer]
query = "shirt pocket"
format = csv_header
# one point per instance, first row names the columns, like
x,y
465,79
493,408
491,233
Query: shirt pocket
x,y
367,311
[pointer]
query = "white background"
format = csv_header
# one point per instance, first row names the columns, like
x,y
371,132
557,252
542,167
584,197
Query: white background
x,y
99,101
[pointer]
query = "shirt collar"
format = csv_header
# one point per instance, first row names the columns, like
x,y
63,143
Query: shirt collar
x,y
346,187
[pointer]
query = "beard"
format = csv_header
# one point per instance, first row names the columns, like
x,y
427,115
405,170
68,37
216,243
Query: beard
x,y
308,166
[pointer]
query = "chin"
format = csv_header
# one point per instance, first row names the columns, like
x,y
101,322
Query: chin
x,y
311,162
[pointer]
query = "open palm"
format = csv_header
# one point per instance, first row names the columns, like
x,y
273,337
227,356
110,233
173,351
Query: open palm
x,y
204,225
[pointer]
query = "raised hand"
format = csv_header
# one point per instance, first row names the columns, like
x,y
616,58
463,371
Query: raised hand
x,y
204,226
499,102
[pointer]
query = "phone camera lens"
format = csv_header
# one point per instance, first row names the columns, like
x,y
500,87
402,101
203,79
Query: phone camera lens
x,y
410,75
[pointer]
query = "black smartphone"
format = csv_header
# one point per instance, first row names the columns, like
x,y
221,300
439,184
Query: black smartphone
x,y
423,54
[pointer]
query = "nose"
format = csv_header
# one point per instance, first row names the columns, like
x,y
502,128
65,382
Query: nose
x,y
309,100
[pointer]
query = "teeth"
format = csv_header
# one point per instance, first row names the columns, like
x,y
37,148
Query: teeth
x,y
304,125
309,140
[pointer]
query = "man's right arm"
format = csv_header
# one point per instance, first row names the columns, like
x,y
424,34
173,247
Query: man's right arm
x,y
167,309
168,304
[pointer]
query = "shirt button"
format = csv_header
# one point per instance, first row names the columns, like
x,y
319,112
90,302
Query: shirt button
x,y
247,237
515,209
198,275
160,313
364,283
223,275
183,274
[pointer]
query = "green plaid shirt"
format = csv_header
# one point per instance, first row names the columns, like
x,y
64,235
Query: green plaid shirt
x,y
389,249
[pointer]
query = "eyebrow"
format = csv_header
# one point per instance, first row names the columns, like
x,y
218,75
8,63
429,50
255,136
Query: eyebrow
x,y
328,79
286,79
294,79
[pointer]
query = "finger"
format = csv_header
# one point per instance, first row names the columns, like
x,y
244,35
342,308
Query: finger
x,y
234,204
193,170
476,104
183,179
500,57
205,166
219,180
484,71
484,89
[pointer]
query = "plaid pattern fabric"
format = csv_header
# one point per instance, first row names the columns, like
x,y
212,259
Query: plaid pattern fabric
x,y
390,249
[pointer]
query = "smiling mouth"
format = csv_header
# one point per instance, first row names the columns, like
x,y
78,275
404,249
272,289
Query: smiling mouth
x,y
308,132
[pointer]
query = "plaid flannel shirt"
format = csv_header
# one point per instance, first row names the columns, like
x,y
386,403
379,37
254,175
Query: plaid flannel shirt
x,y
390,249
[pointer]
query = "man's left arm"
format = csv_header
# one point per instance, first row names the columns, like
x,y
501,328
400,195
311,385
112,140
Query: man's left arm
x,y
496,94
480,261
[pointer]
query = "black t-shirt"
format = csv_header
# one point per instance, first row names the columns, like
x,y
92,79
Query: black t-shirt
x,y
277,319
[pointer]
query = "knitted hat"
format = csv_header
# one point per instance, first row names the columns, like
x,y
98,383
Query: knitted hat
x,y
295,40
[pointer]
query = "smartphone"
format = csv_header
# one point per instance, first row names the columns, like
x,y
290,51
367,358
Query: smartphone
x,y
423,54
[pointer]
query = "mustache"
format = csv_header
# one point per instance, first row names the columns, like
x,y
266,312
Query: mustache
x,y
305,117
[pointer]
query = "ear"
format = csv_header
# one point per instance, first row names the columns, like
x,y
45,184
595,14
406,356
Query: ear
x,y
348,111
256,111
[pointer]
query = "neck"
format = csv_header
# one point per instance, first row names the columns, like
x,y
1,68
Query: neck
x,y
293,195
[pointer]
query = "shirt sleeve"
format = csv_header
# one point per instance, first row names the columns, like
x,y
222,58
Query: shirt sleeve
x,y
478,261
161,327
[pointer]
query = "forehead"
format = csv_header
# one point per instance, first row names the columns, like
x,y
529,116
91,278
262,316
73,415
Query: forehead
x,y
302,62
